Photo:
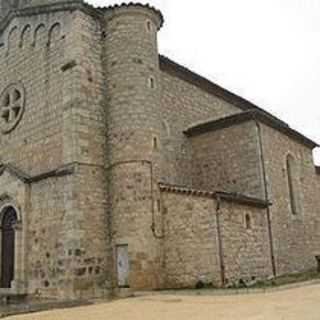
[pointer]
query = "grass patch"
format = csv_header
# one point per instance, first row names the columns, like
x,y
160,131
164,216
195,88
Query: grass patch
x,y
281,280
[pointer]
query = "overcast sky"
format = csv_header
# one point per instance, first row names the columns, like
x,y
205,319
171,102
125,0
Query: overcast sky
x,y
267,51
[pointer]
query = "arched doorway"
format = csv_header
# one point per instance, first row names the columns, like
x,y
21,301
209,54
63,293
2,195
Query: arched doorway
x,y
9,219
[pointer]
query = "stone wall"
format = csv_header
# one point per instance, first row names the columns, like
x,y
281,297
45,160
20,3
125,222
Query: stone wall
x,y
133,85
50,262
90,238
296,237
246,251
97,101
14,193
84,143
57,58
228,159
32,54
183,105
191,250
191,244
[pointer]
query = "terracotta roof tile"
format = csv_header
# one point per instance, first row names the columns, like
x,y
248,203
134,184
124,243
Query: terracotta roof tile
x,y
134,4
226,196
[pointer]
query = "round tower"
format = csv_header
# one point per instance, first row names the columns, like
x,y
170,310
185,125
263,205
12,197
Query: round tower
x,y
134,142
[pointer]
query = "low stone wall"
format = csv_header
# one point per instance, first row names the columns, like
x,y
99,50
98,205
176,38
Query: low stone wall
x,y
246,251
195,248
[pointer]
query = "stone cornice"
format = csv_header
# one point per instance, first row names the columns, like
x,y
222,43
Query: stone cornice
x,y
47,8
29,179
221,195
134,5
72,5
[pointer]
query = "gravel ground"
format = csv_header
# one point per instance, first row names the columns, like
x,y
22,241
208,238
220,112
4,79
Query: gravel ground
x,y
302,303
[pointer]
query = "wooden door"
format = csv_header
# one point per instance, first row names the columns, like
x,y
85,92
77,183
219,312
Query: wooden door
x,y
8,248
123,266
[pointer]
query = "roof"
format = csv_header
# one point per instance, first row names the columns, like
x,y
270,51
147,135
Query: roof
x,y
195,79
253,111
227,196
246,116
135,5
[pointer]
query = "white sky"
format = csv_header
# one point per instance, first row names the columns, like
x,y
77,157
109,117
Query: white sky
x,y
267,51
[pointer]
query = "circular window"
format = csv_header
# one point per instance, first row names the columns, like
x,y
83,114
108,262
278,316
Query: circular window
x,y
12,101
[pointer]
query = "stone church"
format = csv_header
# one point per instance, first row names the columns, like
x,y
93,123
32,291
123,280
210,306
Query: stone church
x,y
120,168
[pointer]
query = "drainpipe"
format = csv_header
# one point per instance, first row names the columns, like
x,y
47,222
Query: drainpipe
x,y
150,164
220,246
262,159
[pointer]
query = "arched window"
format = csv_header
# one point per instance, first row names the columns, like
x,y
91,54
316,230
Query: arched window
x,y
40,36
152,82
9,219
54,34
292,184
149,25
26,36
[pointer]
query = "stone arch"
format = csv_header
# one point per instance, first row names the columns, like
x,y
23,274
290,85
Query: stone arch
x,y
9,203
40,36
54,33
5,197
25,38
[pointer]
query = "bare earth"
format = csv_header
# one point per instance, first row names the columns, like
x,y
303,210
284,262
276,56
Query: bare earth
x,y
302,303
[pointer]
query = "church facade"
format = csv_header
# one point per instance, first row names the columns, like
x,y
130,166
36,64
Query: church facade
x,y
121,168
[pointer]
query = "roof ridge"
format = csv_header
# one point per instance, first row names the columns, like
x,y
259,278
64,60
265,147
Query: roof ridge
x,y
241,117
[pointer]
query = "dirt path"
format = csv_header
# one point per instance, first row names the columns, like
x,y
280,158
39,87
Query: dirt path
x,y
302,303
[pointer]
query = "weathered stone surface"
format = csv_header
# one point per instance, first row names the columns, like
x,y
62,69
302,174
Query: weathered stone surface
x,y
103,123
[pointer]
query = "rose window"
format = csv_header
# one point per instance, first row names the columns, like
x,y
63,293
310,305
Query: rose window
x,y
12,101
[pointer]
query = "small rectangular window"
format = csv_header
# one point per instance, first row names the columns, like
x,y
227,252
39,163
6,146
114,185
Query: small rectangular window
x,y
248,221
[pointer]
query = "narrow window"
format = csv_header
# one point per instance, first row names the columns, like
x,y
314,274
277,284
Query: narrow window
x,y
155,143
152,83
292,181
248,221
149,26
